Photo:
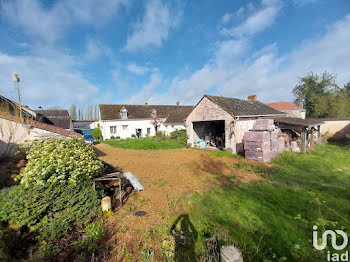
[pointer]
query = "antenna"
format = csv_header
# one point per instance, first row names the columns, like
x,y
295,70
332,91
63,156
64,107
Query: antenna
x,y
16,81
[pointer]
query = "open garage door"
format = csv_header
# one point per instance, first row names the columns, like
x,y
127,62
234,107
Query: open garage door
x,y
209,134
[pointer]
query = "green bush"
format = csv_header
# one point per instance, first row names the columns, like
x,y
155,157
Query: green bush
x,y
60,160
94,232
50,210
97,133
179,135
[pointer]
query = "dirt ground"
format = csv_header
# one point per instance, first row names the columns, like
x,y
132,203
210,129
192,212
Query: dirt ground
x,y
169,177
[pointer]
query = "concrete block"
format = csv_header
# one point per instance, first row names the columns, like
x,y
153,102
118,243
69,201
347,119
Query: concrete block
x,y
256,136
275,133
262,156
280,144
106,204
263,127
257,145
274,145
230,254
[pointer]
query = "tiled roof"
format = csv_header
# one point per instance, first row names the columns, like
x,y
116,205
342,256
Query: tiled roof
x,y
177,113
53,112
283,106
41,125
55,117
298,121
239,107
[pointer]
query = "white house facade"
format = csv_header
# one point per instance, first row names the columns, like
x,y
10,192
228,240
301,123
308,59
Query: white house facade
x,y
127,121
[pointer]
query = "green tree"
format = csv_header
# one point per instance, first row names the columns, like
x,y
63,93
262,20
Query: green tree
x,y
320,96
97,133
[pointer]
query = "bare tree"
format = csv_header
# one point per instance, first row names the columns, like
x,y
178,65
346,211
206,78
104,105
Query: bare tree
x,y
156,120
73,112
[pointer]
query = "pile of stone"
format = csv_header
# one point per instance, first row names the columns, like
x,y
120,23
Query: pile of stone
x,y
264,141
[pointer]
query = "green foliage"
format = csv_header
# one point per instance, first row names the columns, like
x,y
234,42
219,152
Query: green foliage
x,y
321,97
94,232
225,154
56,161
145,143
168,246
97,133
50,210
273,220
160,134
179,135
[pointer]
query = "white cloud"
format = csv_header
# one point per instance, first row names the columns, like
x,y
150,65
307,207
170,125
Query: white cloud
x,y
153,29
265,73
147,90
95,50
256,22
49,24
48,79
228,16
136,69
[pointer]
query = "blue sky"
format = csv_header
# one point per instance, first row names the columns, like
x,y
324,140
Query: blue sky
x,y
129,51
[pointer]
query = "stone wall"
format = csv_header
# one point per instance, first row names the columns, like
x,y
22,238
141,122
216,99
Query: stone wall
x,y
208,111
234,128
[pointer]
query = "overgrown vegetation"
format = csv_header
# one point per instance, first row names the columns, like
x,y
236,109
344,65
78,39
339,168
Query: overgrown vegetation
x,y
62,160
55,197
178,140
322,97
273,220
179,135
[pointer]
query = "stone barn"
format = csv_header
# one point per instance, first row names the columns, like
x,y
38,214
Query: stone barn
x,y
220,122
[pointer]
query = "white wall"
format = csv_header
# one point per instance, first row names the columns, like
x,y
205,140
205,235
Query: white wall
x,y
168,129
132,125
15,133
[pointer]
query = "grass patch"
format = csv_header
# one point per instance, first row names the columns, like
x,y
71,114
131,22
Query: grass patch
x,y
146,143
225,154
161,184
273,221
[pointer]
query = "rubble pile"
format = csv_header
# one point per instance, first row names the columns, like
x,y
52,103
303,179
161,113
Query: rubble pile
x,y
264,141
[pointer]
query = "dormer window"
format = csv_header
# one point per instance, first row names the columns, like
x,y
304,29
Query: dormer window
x,y
124,113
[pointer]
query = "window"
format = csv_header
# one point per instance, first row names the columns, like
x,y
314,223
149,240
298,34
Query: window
x,y
148,131
124,113
125,127
113,129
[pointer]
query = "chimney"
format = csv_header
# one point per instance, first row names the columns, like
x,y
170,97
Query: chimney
x,y
252,98
177,103
146,104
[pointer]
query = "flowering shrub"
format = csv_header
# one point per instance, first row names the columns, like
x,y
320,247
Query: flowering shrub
x,y
60,160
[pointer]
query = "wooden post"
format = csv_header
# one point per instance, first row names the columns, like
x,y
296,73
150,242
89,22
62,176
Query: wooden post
x,y
303,141
319,135
312,137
